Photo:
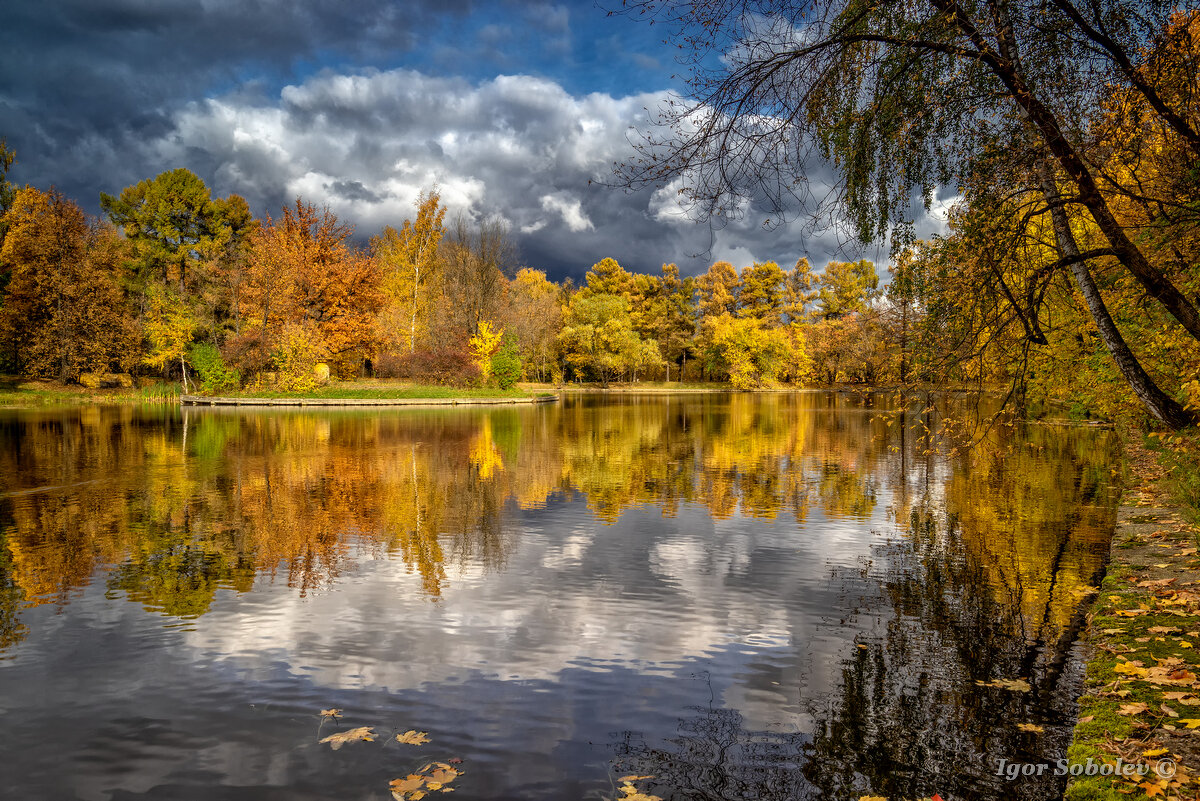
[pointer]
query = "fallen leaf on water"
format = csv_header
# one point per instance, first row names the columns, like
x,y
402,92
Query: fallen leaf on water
x,y
412,737
634,794
1017,685
336,741
409,783
633,778
443,775
331,713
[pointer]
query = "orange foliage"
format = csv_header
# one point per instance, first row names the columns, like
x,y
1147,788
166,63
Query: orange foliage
x,y
302,271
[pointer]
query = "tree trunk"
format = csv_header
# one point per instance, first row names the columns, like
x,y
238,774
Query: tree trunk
x,y
1161,405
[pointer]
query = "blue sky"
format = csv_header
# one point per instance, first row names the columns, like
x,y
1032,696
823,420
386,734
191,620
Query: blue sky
x,y
511,109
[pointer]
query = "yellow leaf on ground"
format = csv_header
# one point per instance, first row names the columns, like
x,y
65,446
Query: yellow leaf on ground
x,y
336,741
1191,723
1129,669
1152,789
1153,752
1132,709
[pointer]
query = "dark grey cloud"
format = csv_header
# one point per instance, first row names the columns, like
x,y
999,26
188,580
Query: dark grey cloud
x,y
275,99
83,82
519,147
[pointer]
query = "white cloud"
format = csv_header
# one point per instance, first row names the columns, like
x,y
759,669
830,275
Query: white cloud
x,y
570,209
517,146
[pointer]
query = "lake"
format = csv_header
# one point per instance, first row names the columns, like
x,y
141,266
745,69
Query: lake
x,y
772,596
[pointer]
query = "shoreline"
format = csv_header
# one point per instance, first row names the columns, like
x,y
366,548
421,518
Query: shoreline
x,y
202,400
1140,701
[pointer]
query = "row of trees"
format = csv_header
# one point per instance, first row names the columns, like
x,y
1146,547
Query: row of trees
x,y
179,282
1070,274
195,284
1071,129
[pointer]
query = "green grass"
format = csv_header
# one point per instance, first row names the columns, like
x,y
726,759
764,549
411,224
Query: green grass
x,y
1179,452
23,392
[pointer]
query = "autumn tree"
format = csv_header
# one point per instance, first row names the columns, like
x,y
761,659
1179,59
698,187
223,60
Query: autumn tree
x,y
673,312
7,193
477,260
533,316
762,293
169,323
607,277
598,338
63,312
754,353
304,273
846,288
717,290
904,99
412,267
174,225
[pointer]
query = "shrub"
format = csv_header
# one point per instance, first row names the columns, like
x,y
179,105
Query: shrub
x,y
506,364
247,353
295,358
447,365
210,367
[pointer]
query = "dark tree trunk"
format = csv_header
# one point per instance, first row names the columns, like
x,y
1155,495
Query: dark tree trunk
x,y
1159,403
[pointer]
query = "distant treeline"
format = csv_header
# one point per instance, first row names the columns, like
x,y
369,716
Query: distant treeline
x,y
178,284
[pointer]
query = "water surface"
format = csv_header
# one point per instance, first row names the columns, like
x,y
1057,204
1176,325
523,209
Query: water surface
x,y
772,597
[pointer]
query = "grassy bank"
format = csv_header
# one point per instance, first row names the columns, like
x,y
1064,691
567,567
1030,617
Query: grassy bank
x,y
383,390
1141,700
24,392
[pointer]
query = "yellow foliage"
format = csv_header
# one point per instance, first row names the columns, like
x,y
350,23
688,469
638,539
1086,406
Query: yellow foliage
x,y
484,345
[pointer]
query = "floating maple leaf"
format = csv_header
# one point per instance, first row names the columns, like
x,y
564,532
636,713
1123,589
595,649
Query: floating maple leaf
x,y
1016,685
412,737
431,778
336,741
634,794
408,788
331,713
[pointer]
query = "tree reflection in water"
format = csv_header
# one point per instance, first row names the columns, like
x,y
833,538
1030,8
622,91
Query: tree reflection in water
x,y
996,559
979,576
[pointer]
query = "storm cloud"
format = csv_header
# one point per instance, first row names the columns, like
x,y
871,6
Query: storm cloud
x,y
364,110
